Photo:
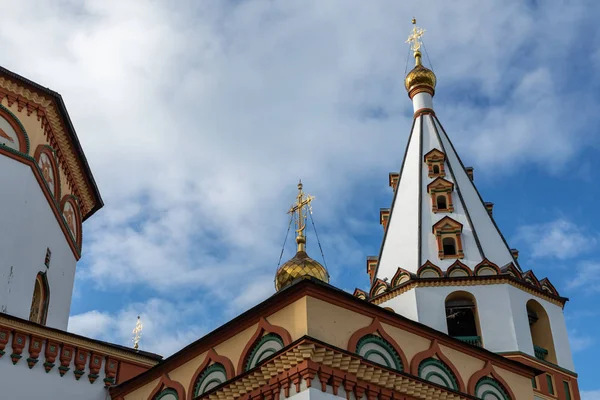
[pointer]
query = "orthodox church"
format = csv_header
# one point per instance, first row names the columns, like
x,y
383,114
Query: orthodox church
x,y
450,313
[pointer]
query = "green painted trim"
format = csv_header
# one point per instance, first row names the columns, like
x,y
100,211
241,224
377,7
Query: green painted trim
x,y
453,384
550,384
379,353
207,371
444,379
250,363
490,392
20,126
166,392
491,382
386,346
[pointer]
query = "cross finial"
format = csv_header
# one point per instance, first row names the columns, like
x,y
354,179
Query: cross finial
x,y
300,210
137,333
415,37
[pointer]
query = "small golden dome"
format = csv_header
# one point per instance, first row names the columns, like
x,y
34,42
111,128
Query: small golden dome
x,y
301,266
420,78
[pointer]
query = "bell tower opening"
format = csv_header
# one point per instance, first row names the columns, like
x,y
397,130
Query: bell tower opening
x,y
541,333
462,319
449,245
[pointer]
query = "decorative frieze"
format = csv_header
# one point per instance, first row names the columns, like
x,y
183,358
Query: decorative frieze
x,y
18,344
66,355
51,354
80,360
35,347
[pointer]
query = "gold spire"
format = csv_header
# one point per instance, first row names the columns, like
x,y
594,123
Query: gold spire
x,y
420,79
301,266
137,333
301,208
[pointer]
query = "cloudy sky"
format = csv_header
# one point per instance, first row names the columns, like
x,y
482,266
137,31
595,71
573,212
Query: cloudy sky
x,y
199,117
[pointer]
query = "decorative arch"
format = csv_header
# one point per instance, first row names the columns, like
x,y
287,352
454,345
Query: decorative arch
x,y
417,362
541,331
400,277
167,385
458,269
45,158
263,327
361,294
447,233
462,318
429,270
376,328
510,269
487,375
212,358
40,299
69,207
486,267
549,287
530,278
379,287
12,132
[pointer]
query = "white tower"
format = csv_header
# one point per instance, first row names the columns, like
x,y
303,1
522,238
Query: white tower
x,y
443,261
47,191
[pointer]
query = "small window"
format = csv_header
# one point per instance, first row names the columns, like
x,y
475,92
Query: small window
x,y
534,383
550,384
441,202
449,246
436,169
567,390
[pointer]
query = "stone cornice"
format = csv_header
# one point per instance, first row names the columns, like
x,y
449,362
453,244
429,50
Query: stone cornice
x,y
47,110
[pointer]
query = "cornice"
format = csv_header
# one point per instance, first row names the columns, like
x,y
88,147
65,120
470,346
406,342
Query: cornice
x,y
30,328
54,128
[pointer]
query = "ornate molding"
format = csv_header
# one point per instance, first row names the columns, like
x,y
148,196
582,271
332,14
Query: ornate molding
x,y
488,370
211,357
376,327
434,350
166,383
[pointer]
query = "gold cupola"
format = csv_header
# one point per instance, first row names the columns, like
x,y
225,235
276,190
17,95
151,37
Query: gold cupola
x,y
301,266
419,79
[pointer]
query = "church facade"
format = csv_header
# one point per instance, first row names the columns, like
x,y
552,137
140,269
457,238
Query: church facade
x,y
450,313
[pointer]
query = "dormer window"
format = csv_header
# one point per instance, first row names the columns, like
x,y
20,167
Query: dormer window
x,y
440,191
435,163
448,236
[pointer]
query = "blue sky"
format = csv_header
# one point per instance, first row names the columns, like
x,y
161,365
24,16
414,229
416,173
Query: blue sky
x,y
198,119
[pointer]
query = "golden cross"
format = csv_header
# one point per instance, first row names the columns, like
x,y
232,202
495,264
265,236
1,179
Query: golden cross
x,y
137,333
415,37
303,201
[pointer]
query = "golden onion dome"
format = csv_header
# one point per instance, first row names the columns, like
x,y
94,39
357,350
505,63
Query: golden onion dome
x,y
301,266
420,77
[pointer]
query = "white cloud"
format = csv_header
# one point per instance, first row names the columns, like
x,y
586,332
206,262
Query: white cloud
x,y
587,277
561,239
579,342
198,118
590,395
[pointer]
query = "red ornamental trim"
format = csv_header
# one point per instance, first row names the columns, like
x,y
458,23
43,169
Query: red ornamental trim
x,y
431,266
80,361
376,327
110,369
488,370
166,383
263,328
20,134
434,350
95,365
18,343
487,263
457,265
4,335
35,348
75,205
51,353
211,357
66,355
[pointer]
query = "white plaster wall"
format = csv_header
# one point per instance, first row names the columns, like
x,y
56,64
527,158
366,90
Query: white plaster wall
x,y
28,226
20,382
404,304
558,325
422,100
429,247
317,394
493,246
401,243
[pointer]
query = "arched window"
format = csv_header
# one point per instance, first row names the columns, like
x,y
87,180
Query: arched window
x,y
541,333
264,348
449,246
167,394
376,349
40,299
490,389
436,169
462,319
441,202
212,377
433,370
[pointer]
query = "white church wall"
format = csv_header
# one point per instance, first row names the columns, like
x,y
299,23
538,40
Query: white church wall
x,y
317,394
404,304
402,238
422,100
519,299
21,382
28,228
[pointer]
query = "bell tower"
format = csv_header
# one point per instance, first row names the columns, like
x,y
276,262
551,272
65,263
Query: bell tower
x,y
47,192
444,262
